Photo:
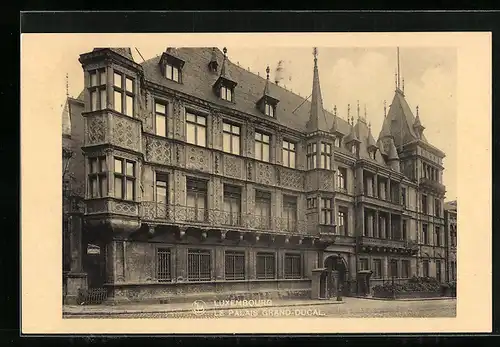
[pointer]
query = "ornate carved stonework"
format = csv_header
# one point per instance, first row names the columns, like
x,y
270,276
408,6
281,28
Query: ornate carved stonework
x,y
250,136
178,121
216,130
310,182
217,191
232,166
250,170
265,174
125,133
279,145
158,151
123,207
326,179
198,159
179,188
179,155
125,155
217,163
96,129
291,178
97,206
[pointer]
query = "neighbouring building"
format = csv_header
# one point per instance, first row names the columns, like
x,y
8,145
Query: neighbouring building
x,y
450,216
204,179
73,194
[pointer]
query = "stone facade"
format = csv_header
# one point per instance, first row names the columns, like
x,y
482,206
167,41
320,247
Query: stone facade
x,y
348,207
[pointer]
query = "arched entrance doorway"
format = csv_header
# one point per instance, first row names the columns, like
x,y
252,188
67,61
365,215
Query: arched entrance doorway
x,y
335,264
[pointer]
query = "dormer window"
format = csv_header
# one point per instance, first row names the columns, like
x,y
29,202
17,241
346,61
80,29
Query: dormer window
x,y
226,93
171,66
338,142
224,86
267,104
172,73
269,110
372,154
354,149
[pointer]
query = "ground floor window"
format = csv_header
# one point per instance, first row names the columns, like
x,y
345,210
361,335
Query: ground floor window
x,y
163,265
363,264
425,268
266,265
199,265
377,268
438,270
393,268
235,266
293,268
405,268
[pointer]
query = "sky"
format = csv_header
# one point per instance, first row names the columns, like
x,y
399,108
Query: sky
x,y
347,74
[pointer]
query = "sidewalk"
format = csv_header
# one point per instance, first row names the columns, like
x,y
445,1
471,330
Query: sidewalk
x,y
406,299
197,305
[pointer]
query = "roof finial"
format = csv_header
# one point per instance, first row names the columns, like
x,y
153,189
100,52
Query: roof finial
x,y
399,75
396,78
385,109
315,53
403,85
417,110
370,126
224,50
348,112
335,111
67,85
365,112
358,108
267,71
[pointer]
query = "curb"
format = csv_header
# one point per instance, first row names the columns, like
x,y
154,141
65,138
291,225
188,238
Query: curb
x,y
409,299
108,313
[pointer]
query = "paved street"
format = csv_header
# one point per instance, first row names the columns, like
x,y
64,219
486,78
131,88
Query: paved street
x,y
352,308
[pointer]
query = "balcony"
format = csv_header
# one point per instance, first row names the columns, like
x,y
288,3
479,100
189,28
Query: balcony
x,y
373,244
177,214
432,185
386,203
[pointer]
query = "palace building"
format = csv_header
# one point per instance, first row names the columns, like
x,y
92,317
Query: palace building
x,y
202,179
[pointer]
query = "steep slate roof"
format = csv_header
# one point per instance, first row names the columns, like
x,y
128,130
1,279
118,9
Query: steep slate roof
x,y
126,52
66,119
364,135
198,81
399,111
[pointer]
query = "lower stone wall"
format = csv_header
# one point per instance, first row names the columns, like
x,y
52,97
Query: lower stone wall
x,y
217,290
390,295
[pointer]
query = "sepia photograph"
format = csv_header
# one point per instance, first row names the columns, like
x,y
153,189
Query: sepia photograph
x,y
228,181
191,179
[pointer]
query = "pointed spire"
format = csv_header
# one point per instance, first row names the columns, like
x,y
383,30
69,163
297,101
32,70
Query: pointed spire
x,y
399,74
317,117
66,115
266,87
335,126
67,85
371,144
